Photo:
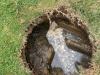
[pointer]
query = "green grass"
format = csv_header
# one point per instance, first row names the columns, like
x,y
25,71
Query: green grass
x,y
14,18
90,11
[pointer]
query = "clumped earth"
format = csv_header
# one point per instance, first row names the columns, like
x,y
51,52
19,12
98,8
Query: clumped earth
x,y
38,53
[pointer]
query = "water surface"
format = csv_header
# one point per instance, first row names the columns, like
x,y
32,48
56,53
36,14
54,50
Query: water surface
x,y
64,57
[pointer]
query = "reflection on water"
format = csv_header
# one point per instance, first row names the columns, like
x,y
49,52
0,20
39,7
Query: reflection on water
x,y
65,57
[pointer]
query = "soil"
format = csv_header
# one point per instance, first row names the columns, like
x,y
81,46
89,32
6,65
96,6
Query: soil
x,y
37,53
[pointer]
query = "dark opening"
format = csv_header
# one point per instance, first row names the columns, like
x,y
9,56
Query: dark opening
x,y
38,53
37,36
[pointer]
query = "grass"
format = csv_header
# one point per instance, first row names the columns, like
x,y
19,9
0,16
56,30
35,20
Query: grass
x,y
90,11
15,16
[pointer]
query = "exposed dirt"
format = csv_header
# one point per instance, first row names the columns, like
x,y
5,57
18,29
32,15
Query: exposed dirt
x,y
37,53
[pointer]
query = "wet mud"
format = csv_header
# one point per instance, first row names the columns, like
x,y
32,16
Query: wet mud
x,y
56,43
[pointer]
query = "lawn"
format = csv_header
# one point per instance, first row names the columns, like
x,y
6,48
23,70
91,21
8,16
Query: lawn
x,y
15,16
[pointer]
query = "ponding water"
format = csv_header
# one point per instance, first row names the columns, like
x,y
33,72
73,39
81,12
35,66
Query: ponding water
x,y
64,58
57,43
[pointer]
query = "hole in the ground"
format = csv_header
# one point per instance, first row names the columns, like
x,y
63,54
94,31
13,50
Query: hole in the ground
x,y
57,44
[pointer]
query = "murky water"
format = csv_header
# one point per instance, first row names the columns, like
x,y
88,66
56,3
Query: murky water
x,y
65,57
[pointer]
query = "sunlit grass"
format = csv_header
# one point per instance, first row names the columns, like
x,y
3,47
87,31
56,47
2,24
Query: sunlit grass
x,y
15,16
